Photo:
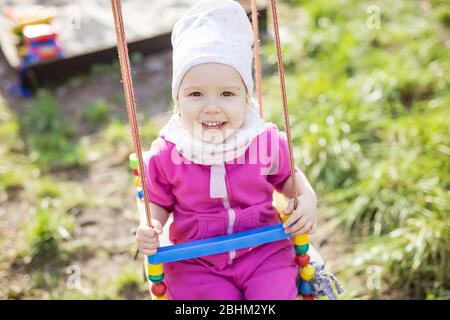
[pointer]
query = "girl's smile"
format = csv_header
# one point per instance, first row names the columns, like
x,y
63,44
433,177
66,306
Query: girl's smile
x,y
213,124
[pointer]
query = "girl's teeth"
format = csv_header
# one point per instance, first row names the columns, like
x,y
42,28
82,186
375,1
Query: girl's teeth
x,y
212,124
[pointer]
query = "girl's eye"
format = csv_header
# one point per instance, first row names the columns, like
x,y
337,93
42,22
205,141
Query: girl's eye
x,y
227,93
196,94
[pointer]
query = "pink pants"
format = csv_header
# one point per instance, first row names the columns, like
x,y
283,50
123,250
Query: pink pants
x,y
260,274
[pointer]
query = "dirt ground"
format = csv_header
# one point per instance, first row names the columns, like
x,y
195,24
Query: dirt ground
x,y
109,233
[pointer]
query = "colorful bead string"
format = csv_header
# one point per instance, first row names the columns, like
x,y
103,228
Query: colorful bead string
x,y
155,273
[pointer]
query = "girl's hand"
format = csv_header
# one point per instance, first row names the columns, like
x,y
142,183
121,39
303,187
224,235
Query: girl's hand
x,y
304,218
147,238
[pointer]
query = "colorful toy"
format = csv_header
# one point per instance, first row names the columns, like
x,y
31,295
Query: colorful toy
x,y
29,17
41,44
312,281
35,41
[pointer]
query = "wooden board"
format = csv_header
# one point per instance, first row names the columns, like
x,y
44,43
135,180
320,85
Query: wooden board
x,y
86,27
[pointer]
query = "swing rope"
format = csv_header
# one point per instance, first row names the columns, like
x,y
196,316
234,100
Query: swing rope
x,y
130,101
287,125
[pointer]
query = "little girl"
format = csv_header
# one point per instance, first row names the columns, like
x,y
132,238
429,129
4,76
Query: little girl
x,y
216,164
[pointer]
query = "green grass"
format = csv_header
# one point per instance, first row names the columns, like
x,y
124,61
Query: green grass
x,y
38,145
49,137
14,166
97,113
46,233
369,112
130,283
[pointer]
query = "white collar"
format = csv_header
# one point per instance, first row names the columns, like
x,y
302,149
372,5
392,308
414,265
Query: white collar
x,y
201,152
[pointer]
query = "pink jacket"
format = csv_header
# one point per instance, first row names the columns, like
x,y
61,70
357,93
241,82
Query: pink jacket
x,y
249,181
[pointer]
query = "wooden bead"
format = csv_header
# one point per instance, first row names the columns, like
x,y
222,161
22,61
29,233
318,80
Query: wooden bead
x,y
305,288
155,269
158,289
301,249
302,260
301,239
308,297
284,217
132,161
135,172
162,298
137,182
156,279
307,273
140,193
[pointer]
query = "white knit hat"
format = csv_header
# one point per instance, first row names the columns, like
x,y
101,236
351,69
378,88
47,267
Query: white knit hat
x,y
216,31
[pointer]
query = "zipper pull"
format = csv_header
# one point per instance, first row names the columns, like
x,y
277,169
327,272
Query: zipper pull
x,y
217,185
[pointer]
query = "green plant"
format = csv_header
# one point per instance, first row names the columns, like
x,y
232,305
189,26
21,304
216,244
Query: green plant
x,y
45,234
129,283
370,128
49,137
97,112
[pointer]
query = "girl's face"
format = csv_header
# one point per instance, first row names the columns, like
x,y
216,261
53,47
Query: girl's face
x,y
212,101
